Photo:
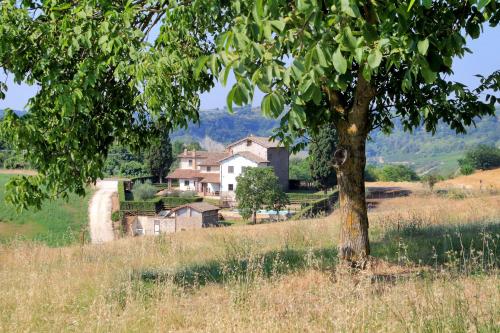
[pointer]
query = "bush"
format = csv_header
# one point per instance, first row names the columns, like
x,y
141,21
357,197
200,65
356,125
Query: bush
x,y
482,157
144,191
133,168
396,173
172,202
371,173
187,194
431,180
116,216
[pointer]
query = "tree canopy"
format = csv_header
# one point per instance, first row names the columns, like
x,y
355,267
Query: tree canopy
x,y
160,157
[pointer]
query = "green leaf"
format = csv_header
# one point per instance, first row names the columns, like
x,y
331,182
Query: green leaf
x,y
482,3
349,8
428,74
339,62
321,56
279,25
412,2
374,58
200,63
230,98
422,46
427,3
297,69
225,74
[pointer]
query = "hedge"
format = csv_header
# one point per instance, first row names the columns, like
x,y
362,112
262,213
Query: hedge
x,y
153,205
313,208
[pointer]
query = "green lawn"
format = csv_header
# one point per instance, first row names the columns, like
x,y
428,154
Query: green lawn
x,y
58,223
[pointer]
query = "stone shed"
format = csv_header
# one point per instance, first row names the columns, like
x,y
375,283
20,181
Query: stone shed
x,y
195,215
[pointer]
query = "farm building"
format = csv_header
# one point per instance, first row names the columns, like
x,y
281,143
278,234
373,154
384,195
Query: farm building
x,y
195,215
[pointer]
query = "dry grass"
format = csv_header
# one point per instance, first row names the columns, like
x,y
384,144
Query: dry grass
x,y
490,180
267,278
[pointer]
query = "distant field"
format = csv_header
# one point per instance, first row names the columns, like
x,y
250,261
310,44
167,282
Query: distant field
x,y
58,223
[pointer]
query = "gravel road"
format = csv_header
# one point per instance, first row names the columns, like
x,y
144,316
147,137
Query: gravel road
x,y
101,229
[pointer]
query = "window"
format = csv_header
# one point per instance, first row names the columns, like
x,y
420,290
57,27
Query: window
x,y
186,183
249,143
190,162
157,227
230,187
230,169
209,169
243,169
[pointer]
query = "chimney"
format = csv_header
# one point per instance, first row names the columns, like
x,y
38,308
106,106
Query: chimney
x,y
194,152
185,151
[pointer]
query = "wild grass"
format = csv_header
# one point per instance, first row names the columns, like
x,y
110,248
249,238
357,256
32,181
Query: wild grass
x,y
58,223
438,271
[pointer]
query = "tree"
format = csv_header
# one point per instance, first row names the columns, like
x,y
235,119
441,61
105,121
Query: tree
x,y
482,157
356,65
322,146
258,188
300,169
396,173
160,157
430,180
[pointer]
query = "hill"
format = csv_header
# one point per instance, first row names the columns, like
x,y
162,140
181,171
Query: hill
x,y
280,277
420,149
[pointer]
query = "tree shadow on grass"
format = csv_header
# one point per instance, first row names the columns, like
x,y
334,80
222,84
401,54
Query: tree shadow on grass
x,y
267,265
463,246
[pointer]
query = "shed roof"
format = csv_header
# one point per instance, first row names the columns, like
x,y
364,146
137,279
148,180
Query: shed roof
x,y
211,178
198,206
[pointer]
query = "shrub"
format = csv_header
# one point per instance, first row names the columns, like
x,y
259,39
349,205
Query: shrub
x,y
144,191
133,168
116,216
431,180
187,194
396,173
371,173
480,157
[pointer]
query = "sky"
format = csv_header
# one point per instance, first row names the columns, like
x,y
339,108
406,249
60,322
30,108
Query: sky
x,y
484,60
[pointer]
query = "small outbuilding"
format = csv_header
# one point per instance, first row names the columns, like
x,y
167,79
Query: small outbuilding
x,y
195,215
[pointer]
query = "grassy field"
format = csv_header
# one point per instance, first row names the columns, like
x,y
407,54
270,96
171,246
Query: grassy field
x,y
58,223
437,271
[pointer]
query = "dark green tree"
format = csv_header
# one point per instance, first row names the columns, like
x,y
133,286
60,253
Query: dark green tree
x,y
159,157
482,157
321,148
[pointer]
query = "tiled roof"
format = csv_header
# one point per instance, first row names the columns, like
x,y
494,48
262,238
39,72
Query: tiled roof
x,y
211,178
185,174
198,206
249,156
261,140
213,158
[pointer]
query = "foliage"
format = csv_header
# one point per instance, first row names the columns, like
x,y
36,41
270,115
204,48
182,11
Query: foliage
x,y
300,169
396,173
313,208
258,188
187,194
122,162
322,147
116,216
430,180
133,168
144,191
172,202
466,168
160,157
371,173
482,157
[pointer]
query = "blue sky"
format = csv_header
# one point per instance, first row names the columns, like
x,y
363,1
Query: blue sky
x,y
483,60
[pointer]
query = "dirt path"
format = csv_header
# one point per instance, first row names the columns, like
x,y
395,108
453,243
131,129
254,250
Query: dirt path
x,y
101,229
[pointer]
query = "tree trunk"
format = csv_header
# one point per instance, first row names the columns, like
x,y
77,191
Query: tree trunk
x,y
352,131
354,245
254,217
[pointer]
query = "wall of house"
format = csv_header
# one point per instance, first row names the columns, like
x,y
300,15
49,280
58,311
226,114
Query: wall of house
x,y
238,163
190,187
254,148
213,169
188,219
213,187
279,159
184,163
146,223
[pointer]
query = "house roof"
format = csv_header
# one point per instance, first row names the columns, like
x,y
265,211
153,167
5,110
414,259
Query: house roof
x,y
198,206
211,178
261,140
249,156
185,174
213,158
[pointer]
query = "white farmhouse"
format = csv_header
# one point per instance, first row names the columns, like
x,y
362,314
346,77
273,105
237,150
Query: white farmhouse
x,y
215,173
